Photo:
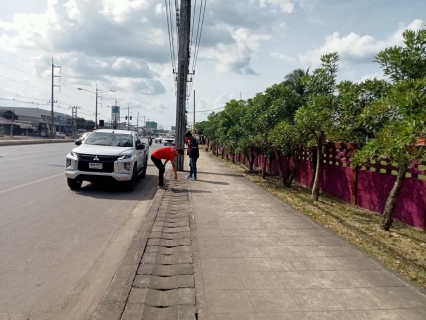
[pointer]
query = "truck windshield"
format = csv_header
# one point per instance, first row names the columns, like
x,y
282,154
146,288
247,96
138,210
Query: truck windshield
x,y
110,139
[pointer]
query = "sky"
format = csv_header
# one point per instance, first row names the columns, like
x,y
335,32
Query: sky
x,y
245,47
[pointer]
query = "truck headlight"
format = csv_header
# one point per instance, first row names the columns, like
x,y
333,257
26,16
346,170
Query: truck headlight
x,y
127,166
74,154
127,156
68,162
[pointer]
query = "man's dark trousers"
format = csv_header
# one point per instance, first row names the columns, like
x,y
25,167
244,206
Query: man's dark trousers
x,y
161,169
193,167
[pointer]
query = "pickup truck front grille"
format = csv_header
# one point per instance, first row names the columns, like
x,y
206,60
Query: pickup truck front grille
x,y
90,157
107,162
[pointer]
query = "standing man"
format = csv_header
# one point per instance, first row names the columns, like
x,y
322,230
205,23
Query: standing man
x,y
193,155
168,154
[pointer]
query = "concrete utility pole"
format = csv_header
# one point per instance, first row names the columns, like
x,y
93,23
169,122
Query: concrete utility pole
x,y
183,70
74,118
52,101
128,117
96,108
194,115
11,125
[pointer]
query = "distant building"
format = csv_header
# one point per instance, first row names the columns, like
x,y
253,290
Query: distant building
x,y
32,121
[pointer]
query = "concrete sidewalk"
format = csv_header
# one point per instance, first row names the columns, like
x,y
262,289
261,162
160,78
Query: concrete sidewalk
x,y
257,258
249,256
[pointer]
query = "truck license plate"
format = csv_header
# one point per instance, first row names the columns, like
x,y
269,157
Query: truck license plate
x,y
95,166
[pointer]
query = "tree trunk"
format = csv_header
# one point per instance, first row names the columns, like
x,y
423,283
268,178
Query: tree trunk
x,y
318,174
233,158
270,165
217,151
280,167
292,172
389,211
251,161
223,152
264,167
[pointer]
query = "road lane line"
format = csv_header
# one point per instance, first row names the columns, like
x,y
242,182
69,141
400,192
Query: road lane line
x,y
30,183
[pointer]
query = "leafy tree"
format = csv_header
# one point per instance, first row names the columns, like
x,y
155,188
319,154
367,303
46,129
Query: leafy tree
x,y
319,114
201,127
356,122
231,126
288,140
395,143
294,80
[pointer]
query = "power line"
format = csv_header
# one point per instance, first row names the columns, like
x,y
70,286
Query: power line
x,y
24,71
197,42
21,101
74,99
23,83
25,60
170,33
201,32
207,110
19,95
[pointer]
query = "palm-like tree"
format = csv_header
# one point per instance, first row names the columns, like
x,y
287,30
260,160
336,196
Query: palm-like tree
x,y
294,80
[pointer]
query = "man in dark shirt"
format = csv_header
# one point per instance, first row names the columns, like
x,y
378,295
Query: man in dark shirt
x,y
194,154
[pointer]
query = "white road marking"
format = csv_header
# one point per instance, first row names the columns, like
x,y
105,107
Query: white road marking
x,y
30,183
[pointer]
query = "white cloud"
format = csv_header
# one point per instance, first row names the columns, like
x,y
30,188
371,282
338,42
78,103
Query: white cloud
x,y
236,57
281,57
357,48
286,6
308,5
216,103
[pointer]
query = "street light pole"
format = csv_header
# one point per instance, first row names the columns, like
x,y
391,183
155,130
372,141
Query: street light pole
x,y
96,101
96,108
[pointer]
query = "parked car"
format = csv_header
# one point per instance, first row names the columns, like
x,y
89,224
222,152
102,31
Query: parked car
x,y
169,140
83,136
158,139
60,135
107,155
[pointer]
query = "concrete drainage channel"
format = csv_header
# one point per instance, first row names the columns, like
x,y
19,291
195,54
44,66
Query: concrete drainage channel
x,y
163,287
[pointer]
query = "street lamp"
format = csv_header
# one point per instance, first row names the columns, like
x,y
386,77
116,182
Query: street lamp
x,y
96,101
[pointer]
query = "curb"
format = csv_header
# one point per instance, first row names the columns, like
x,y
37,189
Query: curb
x,y
114,301
26,142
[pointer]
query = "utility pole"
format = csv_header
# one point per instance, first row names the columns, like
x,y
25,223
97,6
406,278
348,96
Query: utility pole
x,y
144,120
96,108
194,115
184,28
52,101
11,126
128,117
74,118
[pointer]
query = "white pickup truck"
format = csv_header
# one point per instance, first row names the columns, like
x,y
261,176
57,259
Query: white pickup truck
x,y
169,140
107,155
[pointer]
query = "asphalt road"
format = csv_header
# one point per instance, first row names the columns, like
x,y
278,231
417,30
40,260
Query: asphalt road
x,y
56,244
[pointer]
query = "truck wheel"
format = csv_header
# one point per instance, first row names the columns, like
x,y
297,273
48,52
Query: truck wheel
x,y
131,185
74,184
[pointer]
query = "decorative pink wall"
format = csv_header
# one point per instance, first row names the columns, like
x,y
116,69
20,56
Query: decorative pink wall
x,y
366,187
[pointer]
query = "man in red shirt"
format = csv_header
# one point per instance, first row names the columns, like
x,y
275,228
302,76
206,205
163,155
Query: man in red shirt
x,y
168,154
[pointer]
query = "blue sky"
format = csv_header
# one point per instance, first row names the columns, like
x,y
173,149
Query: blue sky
x,y
246,46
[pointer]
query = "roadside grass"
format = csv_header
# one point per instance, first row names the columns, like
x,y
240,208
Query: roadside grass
x,y
402,249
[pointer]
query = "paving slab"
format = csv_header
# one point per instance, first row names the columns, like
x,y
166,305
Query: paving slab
x,y
258,258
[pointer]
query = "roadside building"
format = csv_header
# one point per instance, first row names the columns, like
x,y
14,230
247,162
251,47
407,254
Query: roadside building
x,y
33,121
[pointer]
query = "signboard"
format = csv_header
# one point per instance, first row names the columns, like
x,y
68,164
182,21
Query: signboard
x,y
173,127
62,120
115,114
151,125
